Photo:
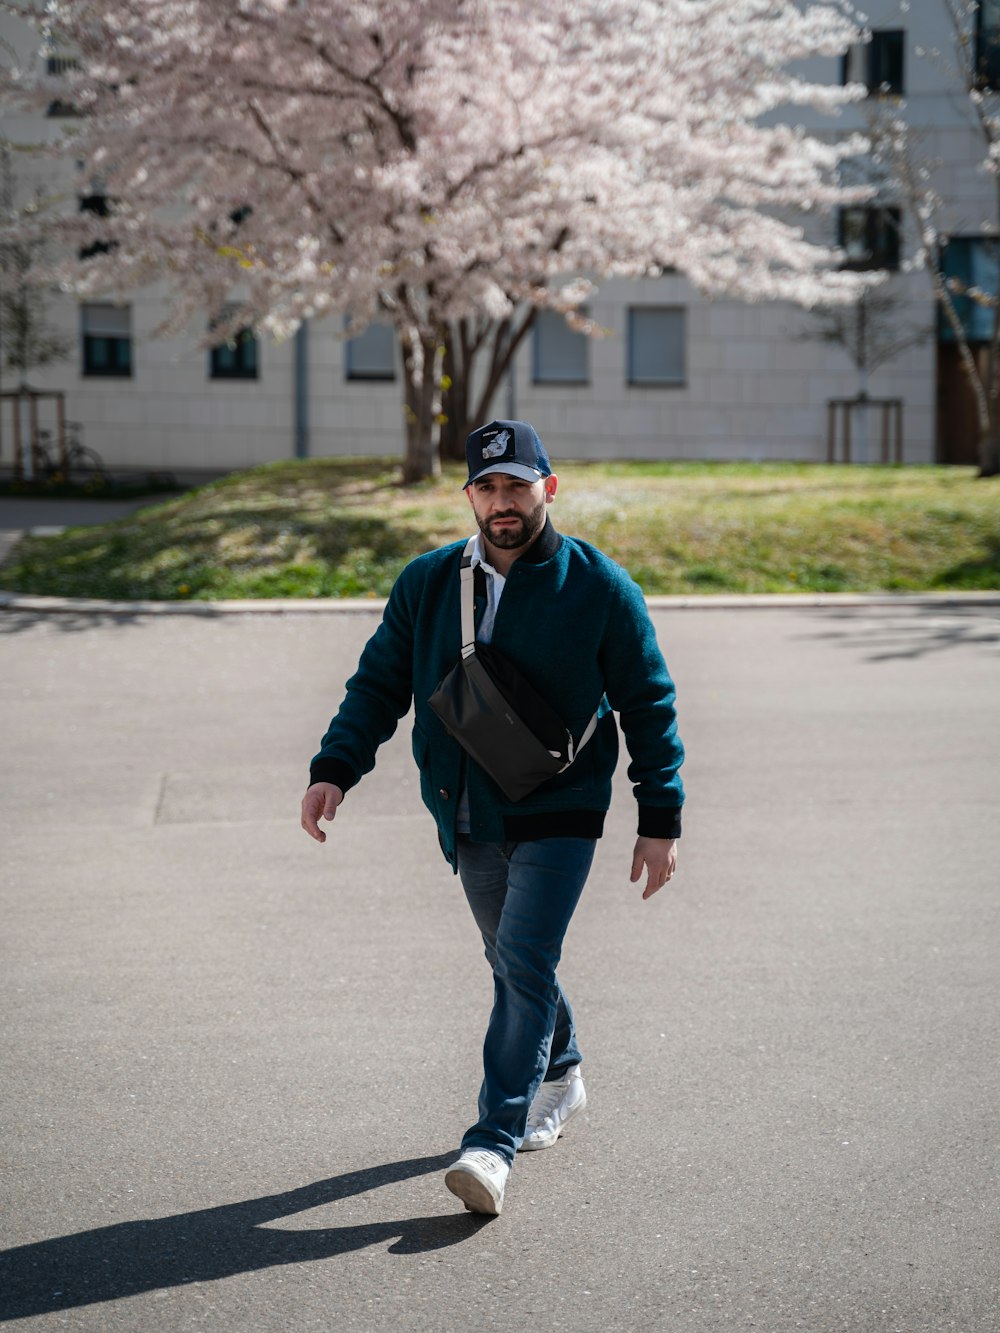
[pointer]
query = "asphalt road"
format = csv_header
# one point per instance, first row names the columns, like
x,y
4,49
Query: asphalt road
x,y
235,1063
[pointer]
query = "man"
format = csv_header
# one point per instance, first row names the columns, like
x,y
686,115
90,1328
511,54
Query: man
x,y
576,626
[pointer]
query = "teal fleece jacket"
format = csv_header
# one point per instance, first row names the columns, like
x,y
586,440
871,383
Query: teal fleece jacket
x,y
577,627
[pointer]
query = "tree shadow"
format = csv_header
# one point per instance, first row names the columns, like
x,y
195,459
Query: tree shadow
x,y
892,634
983,572
203,551
128,1258
74,620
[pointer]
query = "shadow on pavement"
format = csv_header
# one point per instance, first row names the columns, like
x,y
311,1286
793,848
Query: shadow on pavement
x,y
128,1258
16,621
891,634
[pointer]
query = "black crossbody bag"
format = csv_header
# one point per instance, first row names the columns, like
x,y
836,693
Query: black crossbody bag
x,y
496,716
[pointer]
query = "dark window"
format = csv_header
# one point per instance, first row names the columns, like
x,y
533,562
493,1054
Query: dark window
x,y
877,64
371,355
57,67
100,206
970,262
987,48
560,354
106,332
236,359
656,338
869,237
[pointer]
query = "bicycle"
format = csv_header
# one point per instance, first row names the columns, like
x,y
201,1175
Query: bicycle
x,y
82,468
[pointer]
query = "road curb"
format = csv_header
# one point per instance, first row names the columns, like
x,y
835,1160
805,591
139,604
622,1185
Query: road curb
x,y
250,606
90,606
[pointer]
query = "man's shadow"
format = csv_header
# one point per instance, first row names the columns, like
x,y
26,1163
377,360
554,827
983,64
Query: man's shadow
x,y
132,1257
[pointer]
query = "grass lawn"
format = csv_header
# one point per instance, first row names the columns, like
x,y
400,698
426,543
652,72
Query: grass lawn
x,y
345,528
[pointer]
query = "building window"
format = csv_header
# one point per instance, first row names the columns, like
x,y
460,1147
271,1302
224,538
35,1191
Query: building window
x,y
869,237
107,340
877,64
970,262
656,337
372,354
98,204
987,47
236,359
559,353
57,67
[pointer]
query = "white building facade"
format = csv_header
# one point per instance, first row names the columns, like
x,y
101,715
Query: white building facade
x,y
675,375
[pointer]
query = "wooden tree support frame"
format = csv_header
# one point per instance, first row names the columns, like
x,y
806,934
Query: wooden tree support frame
x,y
890,433
17,398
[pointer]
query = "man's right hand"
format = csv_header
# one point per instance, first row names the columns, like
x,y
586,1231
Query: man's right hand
x,y
320,800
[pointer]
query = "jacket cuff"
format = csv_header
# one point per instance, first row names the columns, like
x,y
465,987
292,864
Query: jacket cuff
x,y
332,770
659,821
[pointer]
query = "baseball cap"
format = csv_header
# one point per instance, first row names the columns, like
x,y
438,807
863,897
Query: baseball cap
x,y
506,446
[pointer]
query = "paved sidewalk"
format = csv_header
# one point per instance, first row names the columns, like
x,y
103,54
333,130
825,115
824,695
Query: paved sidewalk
x,y
236,1063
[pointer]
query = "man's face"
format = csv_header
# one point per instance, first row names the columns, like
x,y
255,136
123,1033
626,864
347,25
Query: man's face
x,y
510,512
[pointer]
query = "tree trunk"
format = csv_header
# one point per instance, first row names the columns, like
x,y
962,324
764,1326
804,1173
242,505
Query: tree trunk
x,y
455,390
421,407
989,452
463,409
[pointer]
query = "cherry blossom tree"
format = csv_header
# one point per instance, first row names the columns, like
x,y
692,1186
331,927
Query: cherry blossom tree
x,y
28,339
972,73
447,166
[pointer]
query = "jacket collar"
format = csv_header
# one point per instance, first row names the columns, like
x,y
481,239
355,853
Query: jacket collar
x,y
543,547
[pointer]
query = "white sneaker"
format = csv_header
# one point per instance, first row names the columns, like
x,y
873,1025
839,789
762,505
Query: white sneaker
x,y
478,1178
554,1105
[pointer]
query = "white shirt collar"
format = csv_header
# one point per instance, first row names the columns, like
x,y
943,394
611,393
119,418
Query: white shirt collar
x,y
479,558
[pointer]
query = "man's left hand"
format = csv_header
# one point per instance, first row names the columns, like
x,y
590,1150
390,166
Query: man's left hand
x,y
659,856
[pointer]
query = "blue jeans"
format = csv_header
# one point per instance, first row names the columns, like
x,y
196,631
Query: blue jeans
x,y
522,895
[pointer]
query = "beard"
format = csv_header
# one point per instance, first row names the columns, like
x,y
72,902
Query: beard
x,y
523,533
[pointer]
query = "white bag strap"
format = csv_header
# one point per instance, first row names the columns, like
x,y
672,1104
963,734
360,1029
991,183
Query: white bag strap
x,y
588,731
467,574
468,613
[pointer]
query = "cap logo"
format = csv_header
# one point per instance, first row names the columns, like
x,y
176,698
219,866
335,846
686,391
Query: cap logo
x,y
497,446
